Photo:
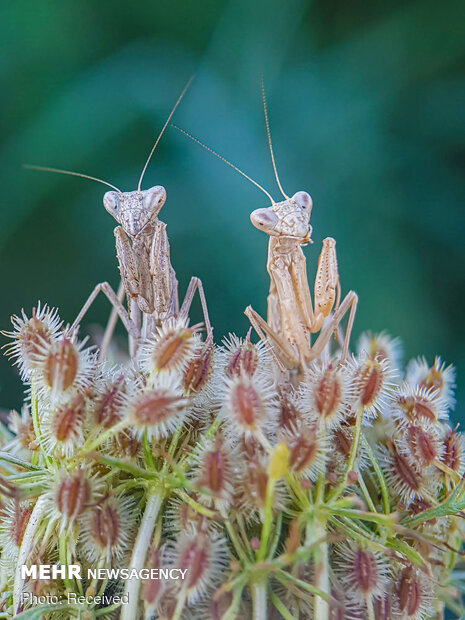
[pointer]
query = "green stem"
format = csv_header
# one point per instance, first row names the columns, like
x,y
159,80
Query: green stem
x,y
181,601
9,458
63,555
370,610
148,453
144,536
267,521
36,422
284,577
102,437
27,547
379,474
200,508
277,602
231,611
317,531
352,456
366,494
258,592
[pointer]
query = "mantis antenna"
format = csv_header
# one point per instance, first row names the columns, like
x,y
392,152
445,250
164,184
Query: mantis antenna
x,y
225,160
71,174
184,90
268,132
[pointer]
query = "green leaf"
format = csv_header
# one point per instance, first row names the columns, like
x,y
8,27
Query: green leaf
x,y
37,612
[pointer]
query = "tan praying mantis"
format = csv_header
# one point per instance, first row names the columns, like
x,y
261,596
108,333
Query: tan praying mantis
x,y
291,315
143,252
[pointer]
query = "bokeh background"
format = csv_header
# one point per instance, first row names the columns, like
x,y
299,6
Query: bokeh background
x,y
367,108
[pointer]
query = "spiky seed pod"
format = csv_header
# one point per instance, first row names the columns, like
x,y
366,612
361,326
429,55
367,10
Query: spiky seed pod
x,y
62,367
344,608
436,377
454,451
107,528
14,517
241,356
71,493
215,607
417,405
157,411
289,415
23,427
251,449
363,572
29,335
203,555
371,384
381,346
422,444
340,441
249,407
307,450
296,599
171,348
108,404
324,395
250,489
152,589
62,428
125,443
199,370
413,594
215,472
181,516
382,606
166,606
406,479
44,587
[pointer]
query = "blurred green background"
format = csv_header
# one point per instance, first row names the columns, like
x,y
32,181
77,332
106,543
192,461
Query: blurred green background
x,y
367,108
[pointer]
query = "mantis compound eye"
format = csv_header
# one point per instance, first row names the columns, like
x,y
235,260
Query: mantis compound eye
x,y
303,200
111,202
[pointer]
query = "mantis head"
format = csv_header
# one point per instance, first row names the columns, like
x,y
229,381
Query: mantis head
x,y
289,218
135,210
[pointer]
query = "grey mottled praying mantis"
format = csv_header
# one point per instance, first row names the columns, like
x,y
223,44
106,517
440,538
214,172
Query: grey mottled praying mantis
x,y
291,315
143,252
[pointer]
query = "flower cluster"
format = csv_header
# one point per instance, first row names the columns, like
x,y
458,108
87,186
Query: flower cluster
x,y
336,493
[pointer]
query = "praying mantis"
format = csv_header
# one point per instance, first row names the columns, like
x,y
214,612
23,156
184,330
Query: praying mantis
x,y
143,252
291,317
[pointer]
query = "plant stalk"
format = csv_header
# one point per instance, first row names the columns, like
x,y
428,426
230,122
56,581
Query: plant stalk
x,y
139,553
316,531
27,546
258,591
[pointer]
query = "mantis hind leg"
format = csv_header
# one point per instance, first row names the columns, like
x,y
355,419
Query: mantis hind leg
x,y
282,349
119,309
110,328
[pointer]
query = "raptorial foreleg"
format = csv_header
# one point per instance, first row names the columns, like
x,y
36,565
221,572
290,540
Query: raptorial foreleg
x,y
293,324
